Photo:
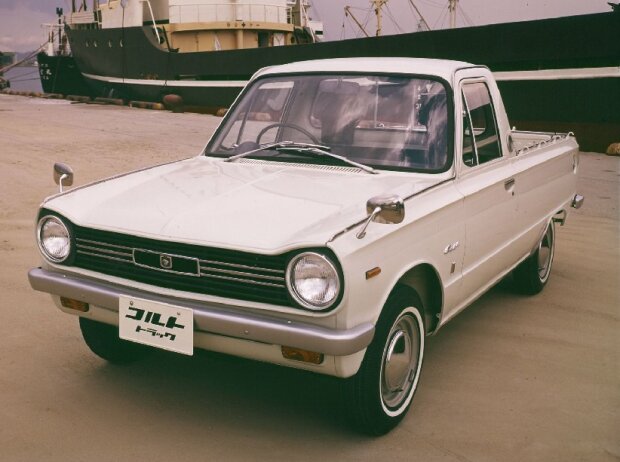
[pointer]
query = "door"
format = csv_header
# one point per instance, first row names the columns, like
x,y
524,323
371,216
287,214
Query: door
x,y
487,183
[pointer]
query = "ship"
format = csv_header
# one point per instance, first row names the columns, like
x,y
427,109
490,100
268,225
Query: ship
x,y
201,50
58,71
554,74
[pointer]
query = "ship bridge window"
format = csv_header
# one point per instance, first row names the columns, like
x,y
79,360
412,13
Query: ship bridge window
x,y
264,39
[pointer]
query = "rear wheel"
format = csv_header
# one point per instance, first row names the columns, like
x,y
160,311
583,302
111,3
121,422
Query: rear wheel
x,y
380,394
103,340
532,274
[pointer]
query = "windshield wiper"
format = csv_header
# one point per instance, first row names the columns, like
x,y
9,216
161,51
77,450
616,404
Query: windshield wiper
x,y
303,148
279,144
321,151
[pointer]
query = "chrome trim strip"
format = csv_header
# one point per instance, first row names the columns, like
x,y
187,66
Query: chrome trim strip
x,y
213,318
107,257
238,265
88,241
105,251
247,281
240,273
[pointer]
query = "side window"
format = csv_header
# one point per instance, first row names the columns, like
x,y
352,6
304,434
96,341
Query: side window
x,y
469,154
480,140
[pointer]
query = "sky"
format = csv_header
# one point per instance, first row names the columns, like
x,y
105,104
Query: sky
x,y
20,20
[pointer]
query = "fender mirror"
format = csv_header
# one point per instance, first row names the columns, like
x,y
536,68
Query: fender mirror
x,y
63,175
386,209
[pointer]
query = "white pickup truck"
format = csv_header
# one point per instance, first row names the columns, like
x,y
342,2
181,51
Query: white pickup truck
x,y
343,210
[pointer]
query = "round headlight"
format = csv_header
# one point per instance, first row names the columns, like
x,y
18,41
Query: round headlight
x,y
54,239
313,281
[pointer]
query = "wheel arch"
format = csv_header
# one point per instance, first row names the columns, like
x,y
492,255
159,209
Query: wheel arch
x,y
424,282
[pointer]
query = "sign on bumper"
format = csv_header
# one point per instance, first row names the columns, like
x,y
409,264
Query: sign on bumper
x,y
156,324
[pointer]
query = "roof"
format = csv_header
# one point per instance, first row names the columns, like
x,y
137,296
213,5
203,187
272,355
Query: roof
x,y
440,67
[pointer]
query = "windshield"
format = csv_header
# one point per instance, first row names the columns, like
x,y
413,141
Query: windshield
x,y
384,122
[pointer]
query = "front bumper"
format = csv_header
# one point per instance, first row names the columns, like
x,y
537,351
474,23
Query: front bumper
x,y
212,318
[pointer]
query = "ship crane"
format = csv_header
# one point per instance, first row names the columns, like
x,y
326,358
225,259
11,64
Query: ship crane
x,y
377,6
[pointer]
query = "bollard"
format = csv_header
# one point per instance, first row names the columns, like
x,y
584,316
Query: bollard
x,y
173,103
613,149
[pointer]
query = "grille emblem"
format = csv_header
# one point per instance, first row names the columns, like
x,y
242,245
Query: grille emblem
x,y
165,261
157,261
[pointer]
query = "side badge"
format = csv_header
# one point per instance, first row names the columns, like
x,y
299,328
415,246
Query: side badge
x,y
451,248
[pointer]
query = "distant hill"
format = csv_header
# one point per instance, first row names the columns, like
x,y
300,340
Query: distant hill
x,y
21,55
7,58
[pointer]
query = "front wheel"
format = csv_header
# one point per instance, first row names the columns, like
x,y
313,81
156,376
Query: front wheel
x,y
380,394
103,340
532,274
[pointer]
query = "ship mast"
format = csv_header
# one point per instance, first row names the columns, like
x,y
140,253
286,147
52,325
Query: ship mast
x,y
378,4
452,5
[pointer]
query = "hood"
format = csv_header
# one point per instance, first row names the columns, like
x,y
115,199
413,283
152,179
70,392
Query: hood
x,y
257,206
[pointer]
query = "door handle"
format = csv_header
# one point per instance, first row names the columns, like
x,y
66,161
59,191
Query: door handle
x,y
509,184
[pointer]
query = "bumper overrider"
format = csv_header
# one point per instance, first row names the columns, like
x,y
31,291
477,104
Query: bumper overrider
x,y
211,318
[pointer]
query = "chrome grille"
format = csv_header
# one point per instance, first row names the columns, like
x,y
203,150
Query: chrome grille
x,y
221,272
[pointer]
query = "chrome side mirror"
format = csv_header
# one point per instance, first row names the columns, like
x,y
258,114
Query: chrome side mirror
x,y
63,175
386,209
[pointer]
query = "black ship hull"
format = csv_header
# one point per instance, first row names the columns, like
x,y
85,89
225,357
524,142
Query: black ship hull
x,y
130,63
59,74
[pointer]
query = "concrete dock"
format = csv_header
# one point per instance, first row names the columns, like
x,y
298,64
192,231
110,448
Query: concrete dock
x,y
512,378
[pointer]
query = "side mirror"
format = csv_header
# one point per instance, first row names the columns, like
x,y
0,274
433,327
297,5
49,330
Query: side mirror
x,y
386,209
63,175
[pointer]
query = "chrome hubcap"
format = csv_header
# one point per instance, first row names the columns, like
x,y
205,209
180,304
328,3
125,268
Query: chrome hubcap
x,y
400,361
545,254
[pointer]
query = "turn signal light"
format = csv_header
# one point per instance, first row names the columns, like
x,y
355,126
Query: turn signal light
x,y
305,356
74,304
373,272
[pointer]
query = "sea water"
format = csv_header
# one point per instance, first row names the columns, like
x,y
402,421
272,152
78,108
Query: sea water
x,y
24,78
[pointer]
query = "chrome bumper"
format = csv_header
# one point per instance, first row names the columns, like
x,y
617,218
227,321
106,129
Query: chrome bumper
x,y
210,318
